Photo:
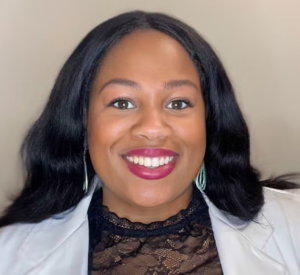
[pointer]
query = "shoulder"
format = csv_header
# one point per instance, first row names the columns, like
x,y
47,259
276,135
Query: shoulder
x,y
12,243
282,206
282,211
16,233
25,246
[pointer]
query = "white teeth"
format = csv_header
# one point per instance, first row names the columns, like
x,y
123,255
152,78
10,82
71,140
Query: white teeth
x,y
155,162
161,161
149,162
141,161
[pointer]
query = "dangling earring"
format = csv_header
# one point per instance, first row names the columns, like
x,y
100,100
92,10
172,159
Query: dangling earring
x,y
86,181
200,179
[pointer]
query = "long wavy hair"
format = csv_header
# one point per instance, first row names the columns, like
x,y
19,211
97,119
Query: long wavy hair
x,y
53,148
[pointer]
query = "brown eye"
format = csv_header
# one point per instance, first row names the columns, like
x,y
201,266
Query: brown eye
x,y
178,104
122,104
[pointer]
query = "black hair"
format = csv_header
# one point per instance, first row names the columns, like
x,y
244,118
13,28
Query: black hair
x,y
53,148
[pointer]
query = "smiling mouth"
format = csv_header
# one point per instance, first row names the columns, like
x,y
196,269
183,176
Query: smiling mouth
x,y
150,162
151,168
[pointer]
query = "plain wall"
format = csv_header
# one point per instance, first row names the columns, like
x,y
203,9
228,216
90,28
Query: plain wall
x,y
258,42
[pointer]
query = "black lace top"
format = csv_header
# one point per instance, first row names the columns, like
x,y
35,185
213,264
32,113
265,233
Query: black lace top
x,y
182,244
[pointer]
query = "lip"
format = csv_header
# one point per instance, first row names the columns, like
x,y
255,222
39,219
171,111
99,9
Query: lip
x,y
151,152
151,173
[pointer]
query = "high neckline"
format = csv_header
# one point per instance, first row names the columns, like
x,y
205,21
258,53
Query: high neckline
x,y
125,223
102,218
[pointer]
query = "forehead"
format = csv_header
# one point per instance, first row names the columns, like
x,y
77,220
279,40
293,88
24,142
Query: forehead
x,y
146,56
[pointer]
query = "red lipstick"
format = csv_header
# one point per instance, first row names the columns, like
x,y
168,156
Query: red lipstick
x,y
151,173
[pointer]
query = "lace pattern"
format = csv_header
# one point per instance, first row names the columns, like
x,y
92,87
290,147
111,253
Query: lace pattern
x,y
127,224
182,244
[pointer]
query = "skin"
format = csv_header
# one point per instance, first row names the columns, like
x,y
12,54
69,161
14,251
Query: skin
x,y
151,59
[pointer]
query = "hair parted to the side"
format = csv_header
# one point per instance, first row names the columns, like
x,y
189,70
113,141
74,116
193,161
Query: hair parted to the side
x,y
53,148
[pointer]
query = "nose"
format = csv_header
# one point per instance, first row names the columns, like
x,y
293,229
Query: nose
x,y
151,125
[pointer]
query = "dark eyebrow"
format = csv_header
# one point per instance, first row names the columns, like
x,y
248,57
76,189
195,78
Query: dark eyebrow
x,y
130,83
179,83
123,82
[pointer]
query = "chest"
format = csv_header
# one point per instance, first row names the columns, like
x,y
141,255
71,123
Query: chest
x,y
186,251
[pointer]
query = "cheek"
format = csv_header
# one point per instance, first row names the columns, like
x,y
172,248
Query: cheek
x,y
104,132
103,135
192,133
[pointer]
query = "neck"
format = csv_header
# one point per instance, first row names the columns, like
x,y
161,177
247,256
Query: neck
x,y
146,215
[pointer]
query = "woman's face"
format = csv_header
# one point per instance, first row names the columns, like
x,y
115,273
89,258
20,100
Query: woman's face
x,y
146,122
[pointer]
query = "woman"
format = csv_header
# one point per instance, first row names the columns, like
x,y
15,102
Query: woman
x,y
140,164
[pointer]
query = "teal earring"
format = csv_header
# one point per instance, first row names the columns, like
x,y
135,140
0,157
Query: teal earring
x,y
86,180
200,179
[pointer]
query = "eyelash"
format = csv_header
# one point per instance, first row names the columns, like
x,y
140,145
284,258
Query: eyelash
x,y
114,101
184,100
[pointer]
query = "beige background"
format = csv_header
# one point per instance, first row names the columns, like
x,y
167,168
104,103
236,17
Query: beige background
x,y
258,41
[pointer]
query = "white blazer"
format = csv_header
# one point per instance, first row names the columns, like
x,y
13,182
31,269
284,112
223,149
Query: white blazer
x,y
270,246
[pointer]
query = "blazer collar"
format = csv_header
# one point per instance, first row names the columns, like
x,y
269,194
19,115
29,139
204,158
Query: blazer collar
x,y
47,236
257,232
241,244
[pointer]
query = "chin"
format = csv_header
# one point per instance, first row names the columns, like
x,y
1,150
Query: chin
x,y
150,198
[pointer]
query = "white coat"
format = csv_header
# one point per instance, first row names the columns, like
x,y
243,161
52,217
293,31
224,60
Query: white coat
x,y
270,246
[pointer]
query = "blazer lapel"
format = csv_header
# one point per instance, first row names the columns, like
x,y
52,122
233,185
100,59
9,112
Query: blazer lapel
x,y
59,243
240,244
